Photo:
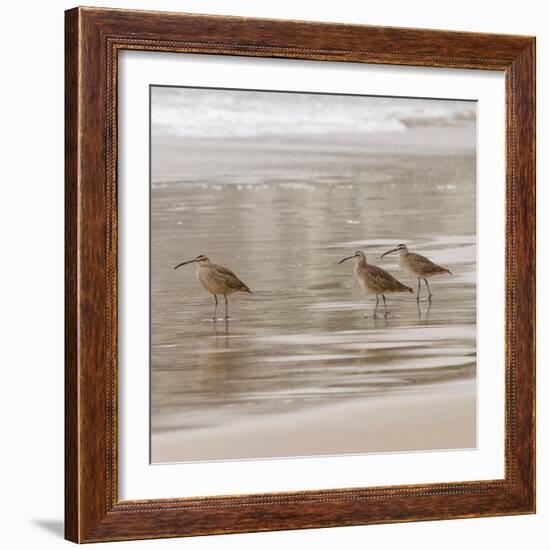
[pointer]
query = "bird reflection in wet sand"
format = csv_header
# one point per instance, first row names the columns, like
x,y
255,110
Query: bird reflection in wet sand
x,y
216,279
418,266
222,329
216,363
426,313
375,280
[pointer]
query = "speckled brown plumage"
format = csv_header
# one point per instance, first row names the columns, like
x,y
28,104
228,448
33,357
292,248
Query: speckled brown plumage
x,y
417,266
216,279
420,266
375,280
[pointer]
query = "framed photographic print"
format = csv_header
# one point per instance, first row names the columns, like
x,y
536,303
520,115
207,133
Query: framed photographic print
x,y
300,275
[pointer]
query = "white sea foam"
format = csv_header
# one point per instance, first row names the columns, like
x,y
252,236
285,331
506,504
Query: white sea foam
x,y
192,112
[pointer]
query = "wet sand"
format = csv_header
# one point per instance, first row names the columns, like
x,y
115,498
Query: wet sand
x,y
281,213
421,421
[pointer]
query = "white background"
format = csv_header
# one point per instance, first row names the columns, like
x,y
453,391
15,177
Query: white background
x,y
31,303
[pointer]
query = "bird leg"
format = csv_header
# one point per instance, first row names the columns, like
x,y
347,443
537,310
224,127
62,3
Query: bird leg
x,y
215,307
428,287
375,307
385,306
418,293
226,307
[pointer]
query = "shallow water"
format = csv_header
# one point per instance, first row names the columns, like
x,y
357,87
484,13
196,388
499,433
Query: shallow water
x,y
302,338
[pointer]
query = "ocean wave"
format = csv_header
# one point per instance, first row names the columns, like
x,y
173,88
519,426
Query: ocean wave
x,y
192,112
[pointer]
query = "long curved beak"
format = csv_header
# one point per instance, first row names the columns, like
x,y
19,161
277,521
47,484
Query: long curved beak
x,y
389,252
348,258
185,263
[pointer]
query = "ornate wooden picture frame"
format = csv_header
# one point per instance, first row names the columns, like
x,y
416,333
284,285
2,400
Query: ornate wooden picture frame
x,y
94,38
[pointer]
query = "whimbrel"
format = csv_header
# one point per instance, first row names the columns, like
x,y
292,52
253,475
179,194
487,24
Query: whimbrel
x,y
217,279
418,266
375,280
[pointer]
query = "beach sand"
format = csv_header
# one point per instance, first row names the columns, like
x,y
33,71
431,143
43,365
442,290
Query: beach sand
x,y
299,158
421,421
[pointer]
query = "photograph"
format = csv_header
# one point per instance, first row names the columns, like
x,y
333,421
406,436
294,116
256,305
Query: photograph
x,y
299,278
312,274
